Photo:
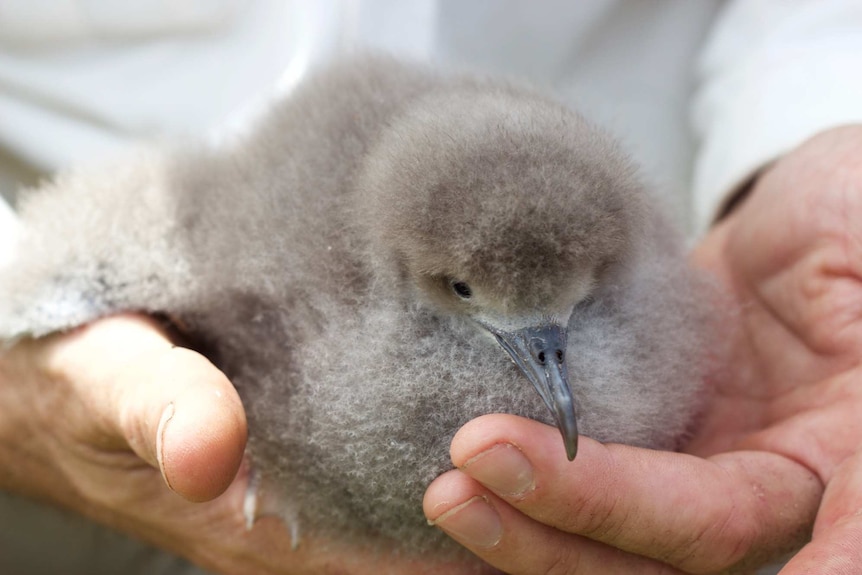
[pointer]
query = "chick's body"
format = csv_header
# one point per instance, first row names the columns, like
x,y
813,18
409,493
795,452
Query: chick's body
x,y
314,260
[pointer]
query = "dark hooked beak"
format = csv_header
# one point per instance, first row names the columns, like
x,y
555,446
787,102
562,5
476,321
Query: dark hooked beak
x,y
540,353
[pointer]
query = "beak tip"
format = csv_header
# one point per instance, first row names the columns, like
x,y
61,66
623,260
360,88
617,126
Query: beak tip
x,y
571,447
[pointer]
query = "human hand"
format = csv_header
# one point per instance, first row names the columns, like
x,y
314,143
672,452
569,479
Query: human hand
x,y
114,422
784,429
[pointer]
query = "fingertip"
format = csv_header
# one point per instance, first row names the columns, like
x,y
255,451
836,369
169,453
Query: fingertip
x,y
201,439
449,490
478,435
536,439
463,509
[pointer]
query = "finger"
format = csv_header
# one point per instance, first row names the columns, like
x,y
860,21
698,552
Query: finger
x,y
169,405
837,551
515,543
836,545
698,515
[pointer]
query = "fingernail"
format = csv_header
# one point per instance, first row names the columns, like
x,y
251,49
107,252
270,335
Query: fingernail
x,y
167,415
474,523
503,468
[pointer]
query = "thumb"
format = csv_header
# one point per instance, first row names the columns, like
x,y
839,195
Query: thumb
x,y
168,404
835,547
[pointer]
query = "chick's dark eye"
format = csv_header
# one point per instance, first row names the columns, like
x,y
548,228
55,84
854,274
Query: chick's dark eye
x,y
462,290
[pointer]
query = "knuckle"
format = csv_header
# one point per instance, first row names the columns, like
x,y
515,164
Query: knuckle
x,y
721,542
564,561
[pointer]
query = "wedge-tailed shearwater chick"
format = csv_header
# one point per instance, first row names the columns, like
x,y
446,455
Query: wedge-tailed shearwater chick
x,y
355,265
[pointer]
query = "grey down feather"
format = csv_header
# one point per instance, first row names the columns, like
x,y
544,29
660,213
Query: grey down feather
x,y
349,262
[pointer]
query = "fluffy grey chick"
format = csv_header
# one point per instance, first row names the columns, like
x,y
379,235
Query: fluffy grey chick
x,y
357,262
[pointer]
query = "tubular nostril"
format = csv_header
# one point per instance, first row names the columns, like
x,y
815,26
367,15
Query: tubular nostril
x,y
541,357
560,356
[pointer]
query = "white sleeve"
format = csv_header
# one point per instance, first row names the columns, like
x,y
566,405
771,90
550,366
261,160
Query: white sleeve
x,y
773,73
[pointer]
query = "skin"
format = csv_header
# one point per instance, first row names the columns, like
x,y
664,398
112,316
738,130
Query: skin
x,y
81,425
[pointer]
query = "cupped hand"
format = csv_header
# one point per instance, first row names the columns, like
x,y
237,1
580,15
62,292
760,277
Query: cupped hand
x,y
115,422
777,459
